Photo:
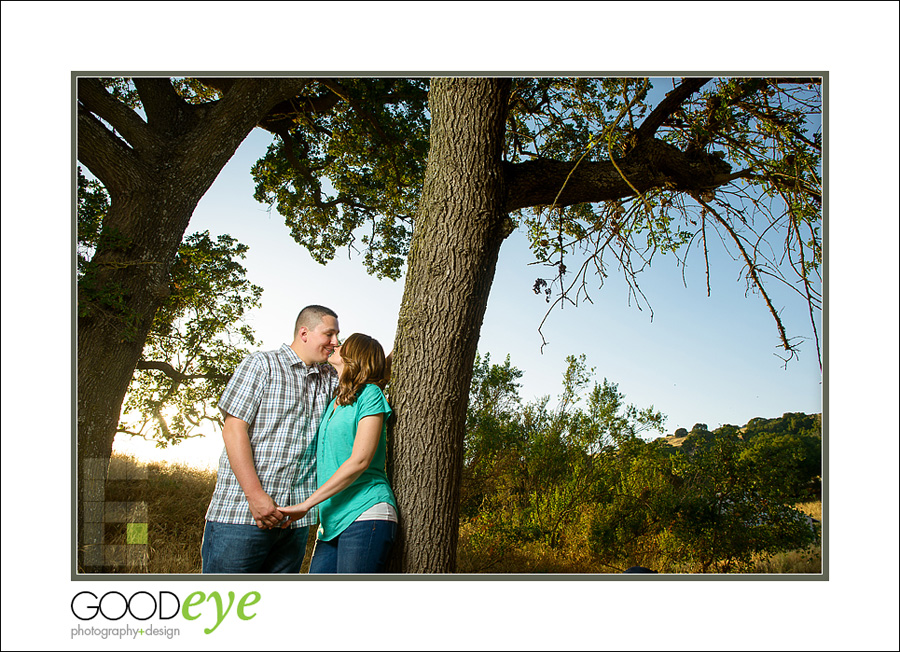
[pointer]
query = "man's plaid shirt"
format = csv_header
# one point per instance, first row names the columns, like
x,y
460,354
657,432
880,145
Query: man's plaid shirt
x,y
283,401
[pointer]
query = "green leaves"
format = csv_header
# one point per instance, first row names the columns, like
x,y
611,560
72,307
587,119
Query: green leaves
x,y
352,175
198,336
579,483
739,159
533,469
93,203
197,340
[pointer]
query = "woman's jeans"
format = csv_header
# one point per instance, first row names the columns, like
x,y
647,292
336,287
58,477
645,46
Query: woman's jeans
x,y
362,548
230,548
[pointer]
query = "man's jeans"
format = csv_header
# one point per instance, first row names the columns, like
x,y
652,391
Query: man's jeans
x,y
362,548
230,548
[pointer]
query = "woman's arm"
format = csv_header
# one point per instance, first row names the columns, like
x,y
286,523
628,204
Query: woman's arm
x,y
368,435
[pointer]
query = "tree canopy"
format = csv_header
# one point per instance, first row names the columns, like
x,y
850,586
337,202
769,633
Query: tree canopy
x,y
606,172
600,173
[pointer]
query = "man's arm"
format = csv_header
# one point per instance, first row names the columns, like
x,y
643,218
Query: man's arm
x,y
236,434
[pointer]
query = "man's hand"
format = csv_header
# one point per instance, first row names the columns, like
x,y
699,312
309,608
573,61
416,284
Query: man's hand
x,y
265,512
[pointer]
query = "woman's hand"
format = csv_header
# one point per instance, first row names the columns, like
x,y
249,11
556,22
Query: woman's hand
x,y
293,513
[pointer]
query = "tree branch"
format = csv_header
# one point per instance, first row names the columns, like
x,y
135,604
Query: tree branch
x,y
285,114
654,164
162,104
672,102
226,123
106,155
221,84
752,271
96,99
722,179
174,374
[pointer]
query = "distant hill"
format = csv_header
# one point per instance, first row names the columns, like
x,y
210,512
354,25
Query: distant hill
x,y
796,423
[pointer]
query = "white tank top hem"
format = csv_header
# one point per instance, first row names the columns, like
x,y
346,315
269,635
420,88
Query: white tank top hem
x,y
379,512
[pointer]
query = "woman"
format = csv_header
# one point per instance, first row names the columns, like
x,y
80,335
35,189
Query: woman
x,y
357,509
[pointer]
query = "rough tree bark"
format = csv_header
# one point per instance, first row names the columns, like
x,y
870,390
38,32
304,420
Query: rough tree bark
x,y
460,226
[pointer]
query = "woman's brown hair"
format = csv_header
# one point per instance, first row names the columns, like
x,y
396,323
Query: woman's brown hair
x,y
363,364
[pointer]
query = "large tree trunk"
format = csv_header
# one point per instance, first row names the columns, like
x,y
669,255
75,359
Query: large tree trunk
x,y
155,181
459,228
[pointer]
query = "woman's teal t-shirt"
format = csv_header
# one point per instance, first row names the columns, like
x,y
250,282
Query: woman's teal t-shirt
x,y
337,432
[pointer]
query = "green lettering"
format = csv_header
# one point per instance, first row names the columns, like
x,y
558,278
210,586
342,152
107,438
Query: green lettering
x,y
220,615
190,602
246,603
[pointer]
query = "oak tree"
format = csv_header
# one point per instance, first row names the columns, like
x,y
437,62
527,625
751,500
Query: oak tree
x,y
155,145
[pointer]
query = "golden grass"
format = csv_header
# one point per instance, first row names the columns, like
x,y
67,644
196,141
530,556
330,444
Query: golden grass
x,y
529,557
807,560
480,556
177,497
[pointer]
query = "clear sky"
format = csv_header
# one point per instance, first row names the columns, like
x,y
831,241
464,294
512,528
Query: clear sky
x,y
699,359
857,43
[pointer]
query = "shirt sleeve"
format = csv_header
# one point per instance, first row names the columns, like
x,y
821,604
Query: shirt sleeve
x,y
372,401
244,392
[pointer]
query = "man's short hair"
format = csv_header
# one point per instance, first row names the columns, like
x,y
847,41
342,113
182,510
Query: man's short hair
x,y
311,316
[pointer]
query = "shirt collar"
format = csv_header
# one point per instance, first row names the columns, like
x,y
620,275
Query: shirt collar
x,y
294,360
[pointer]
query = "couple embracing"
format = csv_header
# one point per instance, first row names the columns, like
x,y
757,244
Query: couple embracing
x,y
305,440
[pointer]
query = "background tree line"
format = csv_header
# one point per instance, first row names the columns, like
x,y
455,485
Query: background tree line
x,y
580,480
579,484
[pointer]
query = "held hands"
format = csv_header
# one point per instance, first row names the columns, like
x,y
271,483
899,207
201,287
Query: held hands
x,y
293,513
268,515
265,512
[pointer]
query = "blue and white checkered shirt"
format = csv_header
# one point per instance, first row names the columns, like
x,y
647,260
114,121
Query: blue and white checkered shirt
x,y
283,400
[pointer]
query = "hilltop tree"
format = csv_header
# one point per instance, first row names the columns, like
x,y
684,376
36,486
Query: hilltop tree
x,y
598,172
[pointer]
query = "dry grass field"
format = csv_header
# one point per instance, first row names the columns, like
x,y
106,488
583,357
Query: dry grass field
x,y
808,560
177,496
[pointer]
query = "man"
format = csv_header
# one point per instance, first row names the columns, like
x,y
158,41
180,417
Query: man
x,y
272,407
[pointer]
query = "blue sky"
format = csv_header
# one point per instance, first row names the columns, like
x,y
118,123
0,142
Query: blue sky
x,y
699,359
